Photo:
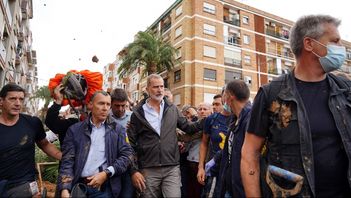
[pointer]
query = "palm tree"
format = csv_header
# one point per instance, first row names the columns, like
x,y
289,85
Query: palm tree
x,y
147,50
43,93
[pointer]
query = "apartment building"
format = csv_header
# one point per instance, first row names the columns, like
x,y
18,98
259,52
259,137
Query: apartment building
x,y
17,58
221,40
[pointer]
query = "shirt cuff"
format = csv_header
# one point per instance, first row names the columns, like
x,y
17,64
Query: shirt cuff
x,y
112,170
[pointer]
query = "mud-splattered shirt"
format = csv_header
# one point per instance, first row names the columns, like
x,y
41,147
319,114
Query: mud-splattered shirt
x,y
17,149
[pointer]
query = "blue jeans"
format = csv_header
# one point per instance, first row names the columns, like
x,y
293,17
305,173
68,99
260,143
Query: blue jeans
x,y
127,190
96,193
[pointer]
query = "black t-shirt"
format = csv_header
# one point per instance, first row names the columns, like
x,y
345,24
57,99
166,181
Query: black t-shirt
x,y
330,159
17,149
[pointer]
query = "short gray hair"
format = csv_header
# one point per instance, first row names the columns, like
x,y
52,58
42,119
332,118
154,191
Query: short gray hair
x,y
98,92
152,76
309,26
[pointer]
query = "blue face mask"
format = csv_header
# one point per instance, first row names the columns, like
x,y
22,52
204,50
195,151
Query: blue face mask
x,y
334,59
227,108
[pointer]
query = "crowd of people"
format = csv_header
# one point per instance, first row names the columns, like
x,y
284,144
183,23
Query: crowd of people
x,y
298,124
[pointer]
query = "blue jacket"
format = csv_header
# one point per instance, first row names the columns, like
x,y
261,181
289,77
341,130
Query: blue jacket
x,y
222,157
75,154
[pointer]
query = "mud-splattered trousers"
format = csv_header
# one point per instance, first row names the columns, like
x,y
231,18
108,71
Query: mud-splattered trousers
x,y
289,141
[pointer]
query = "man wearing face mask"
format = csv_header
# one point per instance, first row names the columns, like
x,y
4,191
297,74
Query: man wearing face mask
x,y
304,118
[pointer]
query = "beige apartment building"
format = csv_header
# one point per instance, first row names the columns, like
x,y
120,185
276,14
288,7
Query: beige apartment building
x,y
218,41
17,58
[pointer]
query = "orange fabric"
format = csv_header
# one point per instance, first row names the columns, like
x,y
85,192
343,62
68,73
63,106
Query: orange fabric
x,y
94,83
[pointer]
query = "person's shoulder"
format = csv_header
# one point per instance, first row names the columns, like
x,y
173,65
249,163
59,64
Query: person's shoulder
x,y
29,118
79,124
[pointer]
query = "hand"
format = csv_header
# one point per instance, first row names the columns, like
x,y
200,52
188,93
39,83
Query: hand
x,y
97,180
201,176
181,146
208,167
57,94
65,193
138,181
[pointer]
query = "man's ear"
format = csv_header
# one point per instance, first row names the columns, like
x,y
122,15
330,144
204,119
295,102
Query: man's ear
x,y
308,44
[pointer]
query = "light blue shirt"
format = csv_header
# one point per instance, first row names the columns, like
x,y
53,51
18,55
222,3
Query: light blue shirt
x,y
153,117
96,157
122,120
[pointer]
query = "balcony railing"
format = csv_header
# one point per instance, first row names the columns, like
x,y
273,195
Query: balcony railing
x,y
2,51
232,62
285,54
276,34
235,41
235,22
165,27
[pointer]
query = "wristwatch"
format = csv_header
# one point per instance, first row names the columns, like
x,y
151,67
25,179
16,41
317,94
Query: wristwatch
x,y
108,172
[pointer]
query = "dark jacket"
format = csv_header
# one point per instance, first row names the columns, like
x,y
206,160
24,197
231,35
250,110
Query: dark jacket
x,y
153,150
290,147
118,154
222,157
56,124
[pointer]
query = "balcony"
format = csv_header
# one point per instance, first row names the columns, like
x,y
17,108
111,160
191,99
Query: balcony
x,y
284,34
232,62
272,70
2,51
165,27
232,21
232,40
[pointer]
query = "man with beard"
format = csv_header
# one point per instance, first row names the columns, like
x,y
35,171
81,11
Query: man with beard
x,y
152,134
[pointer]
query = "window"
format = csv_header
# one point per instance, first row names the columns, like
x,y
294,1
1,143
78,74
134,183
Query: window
x,y
209,8
178,53
179,11
210,51
247,59
231,75
209,29
245,20
232,58
135,96
177,76
210,74
178,31
246,39
135,80
248,80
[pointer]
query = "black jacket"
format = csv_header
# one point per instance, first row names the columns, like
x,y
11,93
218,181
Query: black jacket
x,y
153,150
290,147
56,124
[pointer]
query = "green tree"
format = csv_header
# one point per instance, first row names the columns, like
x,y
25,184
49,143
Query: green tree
x,y
148,50
43,93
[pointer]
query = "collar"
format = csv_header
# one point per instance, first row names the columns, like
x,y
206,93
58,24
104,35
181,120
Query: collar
x,y
93,125
150,107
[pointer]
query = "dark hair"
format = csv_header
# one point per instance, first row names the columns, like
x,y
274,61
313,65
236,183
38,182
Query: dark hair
x,y
239,89
98,92
11,87
119,94
217,96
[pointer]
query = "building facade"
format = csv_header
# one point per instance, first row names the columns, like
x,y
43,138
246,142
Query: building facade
x,y
17,58
218,41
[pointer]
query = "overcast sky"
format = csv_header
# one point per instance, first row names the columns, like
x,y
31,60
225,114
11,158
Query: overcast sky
x,y
68,33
